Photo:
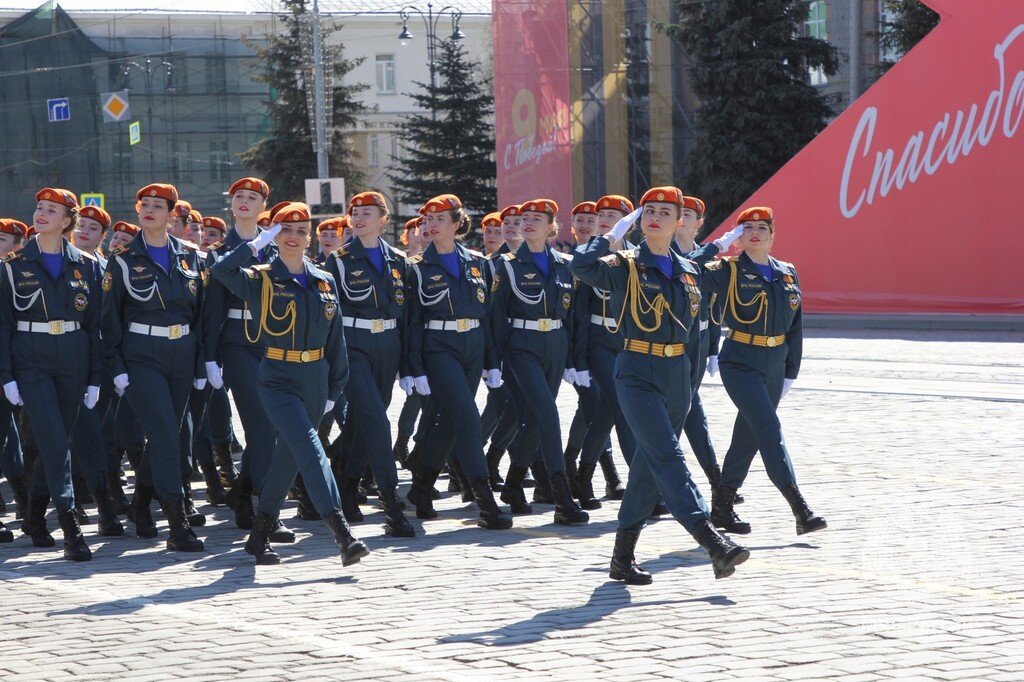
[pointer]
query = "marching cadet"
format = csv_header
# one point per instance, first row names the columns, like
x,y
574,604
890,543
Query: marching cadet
x,y
178,222
412,242
531,302
759,361
214,230
511,217
370,276
685,244
490,227
328,238
194,227
233,356
12,463
51,358
603,345
121,233
660,302
93,223
152,331
449,347
302,374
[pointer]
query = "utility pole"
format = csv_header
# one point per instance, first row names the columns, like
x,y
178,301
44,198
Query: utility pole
x,y
319,104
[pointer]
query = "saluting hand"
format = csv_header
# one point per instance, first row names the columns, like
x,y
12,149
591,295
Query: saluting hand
x,y
622,226
726,240
12,393
92,396
264,238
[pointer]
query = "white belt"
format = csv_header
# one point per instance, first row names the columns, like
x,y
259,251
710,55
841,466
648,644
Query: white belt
x,y
703,325
603,321
463,325
375,326
175,331
239,314
53,327
542,325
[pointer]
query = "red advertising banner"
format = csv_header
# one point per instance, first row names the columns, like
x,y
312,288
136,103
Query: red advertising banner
x,y
910,201
531,101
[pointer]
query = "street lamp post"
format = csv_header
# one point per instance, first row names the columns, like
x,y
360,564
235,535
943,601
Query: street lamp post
x,y
148,70
430,21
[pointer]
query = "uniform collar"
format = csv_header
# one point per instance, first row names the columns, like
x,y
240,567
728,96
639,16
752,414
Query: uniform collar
x,y
524,254
279,271
31,252
430,254
679,264
777,267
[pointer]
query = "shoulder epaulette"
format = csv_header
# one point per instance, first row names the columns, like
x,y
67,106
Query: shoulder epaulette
x,y
401,254
631,254
714,264
261,266
216,245
511,255
414,259
119,250
12,256
340,251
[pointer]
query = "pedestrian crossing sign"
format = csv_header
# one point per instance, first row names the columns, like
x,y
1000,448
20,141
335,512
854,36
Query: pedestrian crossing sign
x,y
134,133
96,200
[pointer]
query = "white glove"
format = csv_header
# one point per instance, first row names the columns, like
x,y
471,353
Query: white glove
x,y
199,384
329,406
713,365
583,378
12,393
622,227
405,383
92,396
786,385
570,376
492,378
264,238
214,374
120,383
725,241
421,385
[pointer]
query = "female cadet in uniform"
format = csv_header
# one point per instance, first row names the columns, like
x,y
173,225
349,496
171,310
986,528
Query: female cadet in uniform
x,y
152,311
12,463
370,275
50,356
759,361
657,293
497,398
294,308
328,239
531,302
449,347
233,357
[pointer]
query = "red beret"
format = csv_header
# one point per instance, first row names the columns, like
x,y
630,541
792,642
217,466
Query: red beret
x,y
755,213
413,223
667,195
585,207
122,226
57,195
491,220
15,227
368,199
255,184
182,209
540,206
277,207
195,216
444,202
336,224
158,189
215,222
512,210
695,204
294,212
264,219
615,202
97,214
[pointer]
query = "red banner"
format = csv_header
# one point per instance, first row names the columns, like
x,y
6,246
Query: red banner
x,y
908,201
531,101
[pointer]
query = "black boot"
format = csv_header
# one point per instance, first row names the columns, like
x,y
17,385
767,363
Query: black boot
x,y
513,495
257,544
395,523
34,523
806,520
107,524
613,488
585,483
491,516
116,493
181,539
412,462
660,509
494,456
567,512
240,499
279,532
134,454
401,452
305,511
420,493
542,491
236,447
722,513
714,474
215,493
141,515
725,554
222,455
20,491
83,518
465,487
352,550
82,493
5,534
194,516
349,495
624,566
75,548
571,474
367,485
454,480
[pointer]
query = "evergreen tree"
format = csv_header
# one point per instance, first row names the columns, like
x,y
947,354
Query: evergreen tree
x,y
454,152
285,157
911,21
750,72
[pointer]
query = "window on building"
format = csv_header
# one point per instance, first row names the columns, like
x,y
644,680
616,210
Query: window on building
x,y
216,76
182,161
373,150
815,27
220,167
394,149
385,74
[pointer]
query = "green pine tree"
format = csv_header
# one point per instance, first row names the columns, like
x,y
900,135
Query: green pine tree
x,y
454,152
285,157
911,21
750,72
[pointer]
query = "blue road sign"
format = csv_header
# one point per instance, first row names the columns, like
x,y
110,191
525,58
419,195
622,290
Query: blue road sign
x,y
58,109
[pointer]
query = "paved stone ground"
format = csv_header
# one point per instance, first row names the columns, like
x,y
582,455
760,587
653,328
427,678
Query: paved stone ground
x,y
911,447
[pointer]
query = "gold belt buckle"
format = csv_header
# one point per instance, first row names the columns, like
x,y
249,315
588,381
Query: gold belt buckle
x,y
462,325
174,332
669,350
376,326
304,356
544,324
770,342
56,327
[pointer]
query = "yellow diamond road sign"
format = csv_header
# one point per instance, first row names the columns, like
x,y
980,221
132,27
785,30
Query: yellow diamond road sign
x,y
114,106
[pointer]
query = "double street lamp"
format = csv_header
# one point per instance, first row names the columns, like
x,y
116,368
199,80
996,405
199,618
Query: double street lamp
x,y
149,70
430,21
